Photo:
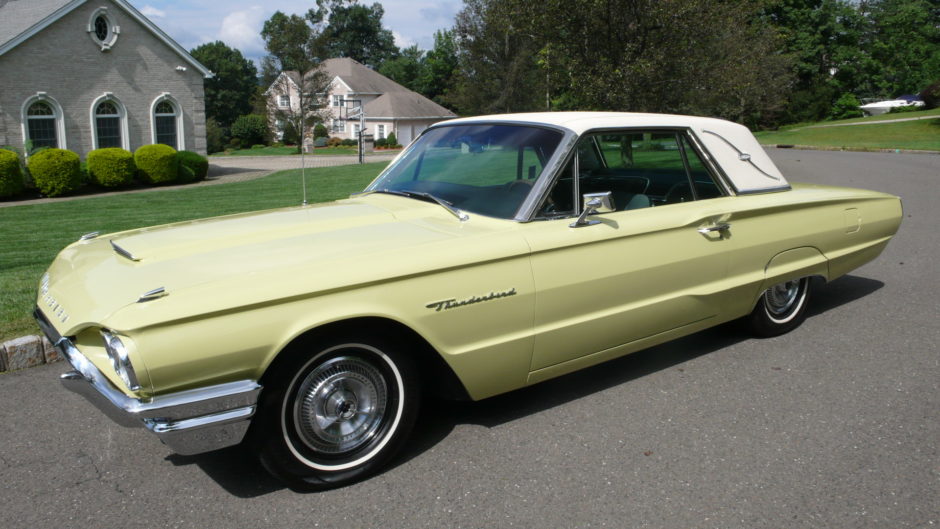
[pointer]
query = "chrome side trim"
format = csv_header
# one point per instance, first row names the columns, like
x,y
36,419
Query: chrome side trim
x,y
89,236
156,293
189,422
123,253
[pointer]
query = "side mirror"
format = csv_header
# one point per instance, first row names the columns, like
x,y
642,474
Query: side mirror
x,y
591,204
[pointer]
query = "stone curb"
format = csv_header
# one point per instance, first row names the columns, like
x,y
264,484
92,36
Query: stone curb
x,y
27,351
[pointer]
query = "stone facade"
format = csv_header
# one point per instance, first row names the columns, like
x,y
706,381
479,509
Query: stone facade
x,y
64,65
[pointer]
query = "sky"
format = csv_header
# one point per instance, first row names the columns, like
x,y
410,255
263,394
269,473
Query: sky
x,y
238,23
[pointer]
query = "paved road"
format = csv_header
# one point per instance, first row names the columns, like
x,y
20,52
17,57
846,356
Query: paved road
x,y
834,425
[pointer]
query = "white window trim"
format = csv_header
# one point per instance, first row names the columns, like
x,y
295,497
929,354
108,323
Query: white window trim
x,y
122,119
113,29
180,138
336,103
333,125
279,101
60,140
381,131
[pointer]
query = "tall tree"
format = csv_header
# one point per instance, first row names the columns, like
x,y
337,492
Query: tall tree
x,y
497,69
440,63
904,45
354,30
407,69
229,92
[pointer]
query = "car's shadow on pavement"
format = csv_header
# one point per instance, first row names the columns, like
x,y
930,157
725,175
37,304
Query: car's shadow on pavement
x,y
239,472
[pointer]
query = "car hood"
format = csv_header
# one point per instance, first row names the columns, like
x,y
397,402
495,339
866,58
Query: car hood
x,y
219,264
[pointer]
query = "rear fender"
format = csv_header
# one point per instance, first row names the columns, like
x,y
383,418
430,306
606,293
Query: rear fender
x,y
793,264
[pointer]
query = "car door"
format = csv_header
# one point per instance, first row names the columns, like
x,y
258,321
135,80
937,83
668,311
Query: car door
x,y
654,264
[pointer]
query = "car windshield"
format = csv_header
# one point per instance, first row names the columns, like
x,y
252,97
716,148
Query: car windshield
x,y
485,169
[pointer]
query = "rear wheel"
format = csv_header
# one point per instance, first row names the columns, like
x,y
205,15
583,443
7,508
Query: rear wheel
x,y
781,308
337,414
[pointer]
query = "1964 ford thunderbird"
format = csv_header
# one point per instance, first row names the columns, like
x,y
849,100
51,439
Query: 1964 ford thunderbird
x,y
494,253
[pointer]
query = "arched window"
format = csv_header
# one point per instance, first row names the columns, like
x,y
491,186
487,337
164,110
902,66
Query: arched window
x,y
166,123
42,124
107,125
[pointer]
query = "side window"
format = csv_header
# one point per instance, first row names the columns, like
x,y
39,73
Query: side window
x,y
640,169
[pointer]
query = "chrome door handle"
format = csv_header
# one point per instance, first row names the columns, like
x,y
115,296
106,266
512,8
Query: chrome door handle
x,y
723,226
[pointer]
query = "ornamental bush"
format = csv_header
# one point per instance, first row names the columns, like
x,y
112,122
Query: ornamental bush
x,y
111,167
156,164
55,171
334,142
319,131
193,166
11,174
250,129
392,141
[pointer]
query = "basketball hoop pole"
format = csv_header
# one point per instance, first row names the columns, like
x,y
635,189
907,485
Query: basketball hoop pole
x,y
362,123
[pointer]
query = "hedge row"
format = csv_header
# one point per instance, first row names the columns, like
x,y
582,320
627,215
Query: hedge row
x,y
55,172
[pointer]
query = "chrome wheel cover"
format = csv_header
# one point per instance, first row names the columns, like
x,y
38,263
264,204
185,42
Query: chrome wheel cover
x,y
340,405
780,298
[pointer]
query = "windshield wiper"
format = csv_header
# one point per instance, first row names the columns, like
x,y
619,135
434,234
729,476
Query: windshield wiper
x,y
422,195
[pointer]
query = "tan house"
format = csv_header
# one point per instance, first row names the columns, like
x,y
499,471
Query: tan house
x,y
388,106
83,75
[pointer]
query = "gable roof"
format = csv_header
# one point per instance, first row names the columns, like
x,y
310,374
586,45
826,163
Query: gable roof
x,y
360,78
22,19
406,104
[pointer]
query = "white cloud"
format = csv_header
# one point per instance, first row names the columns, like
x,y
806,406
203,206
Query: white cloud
x,y
242,30
402,41
152,12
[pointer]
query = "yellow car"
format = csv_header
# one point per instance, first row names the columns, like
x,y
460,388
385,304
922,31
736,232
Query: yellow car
x,y
494,253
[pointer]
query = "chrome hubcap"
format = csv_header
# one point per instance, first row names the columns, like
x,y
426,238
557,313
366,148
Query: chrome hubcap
x,y
780,298
340,405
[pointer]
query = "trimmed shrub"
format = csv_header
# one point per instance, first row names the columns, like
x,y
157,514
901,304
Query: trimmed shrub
x,y
250,129
392,141
55,171
846,107
156,164
11,174
215,136
319,131
193,166
349,143
334,142
111,167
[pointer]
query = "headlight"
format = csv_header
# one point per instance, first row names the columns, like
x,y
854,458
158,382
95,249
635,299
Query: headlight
x,y
119,359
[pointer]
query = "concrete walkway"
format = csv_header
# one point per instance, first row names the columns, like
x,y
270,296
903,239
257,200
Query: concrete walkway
x,y
227,170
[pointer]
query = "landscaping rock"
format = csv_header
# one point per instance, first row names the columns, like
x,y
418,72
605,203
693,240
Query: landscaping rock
x,y
50,353
21,353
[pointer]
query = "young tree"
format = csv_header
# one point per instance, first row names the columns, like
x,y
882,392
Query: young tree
x,y
229,93
294,52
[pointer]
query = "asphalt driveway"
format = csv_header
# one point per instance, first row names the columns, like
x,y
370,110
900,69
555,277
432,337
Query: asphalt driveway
x,y
833,425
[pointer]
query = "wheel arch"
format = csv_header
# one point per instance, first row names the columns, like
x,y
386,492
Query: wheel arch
x,y
435,374
795,263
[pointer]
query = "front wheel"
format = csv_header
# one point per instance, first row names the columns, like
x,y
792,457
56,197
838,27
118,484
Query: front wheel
x,y
781,308
336,415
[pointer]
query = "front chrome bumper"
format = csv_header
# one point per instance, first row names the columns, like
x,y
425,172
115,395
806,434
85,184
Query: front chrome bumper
x,y
189,422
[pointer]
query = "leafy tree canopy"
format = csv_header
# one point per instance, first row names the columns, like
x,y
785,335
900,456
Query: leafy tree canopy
x,y
229,92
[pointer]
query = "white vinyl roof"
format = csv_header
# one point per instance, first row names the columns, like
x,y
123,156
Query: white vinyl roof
x,y
733,146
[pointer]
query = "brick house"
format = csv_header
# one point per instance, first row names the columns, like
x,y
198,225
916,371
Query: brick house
x,y
388,106
82,75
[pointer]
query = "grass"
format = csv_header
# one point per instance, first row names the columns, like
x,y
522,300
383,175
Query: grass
x,y
917,135
287,151
33,234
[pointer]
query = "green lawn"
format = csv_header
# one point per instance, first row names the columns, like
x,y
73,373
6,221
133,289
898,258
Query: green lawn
x,y
33,234
919,135
286,151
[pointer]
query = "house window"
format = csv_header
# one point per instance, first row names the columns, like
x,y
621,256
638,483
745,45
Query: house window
x,y
102,29
166,123
283,101
338,101
338,125
356,129
41,126
107,125
380,132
